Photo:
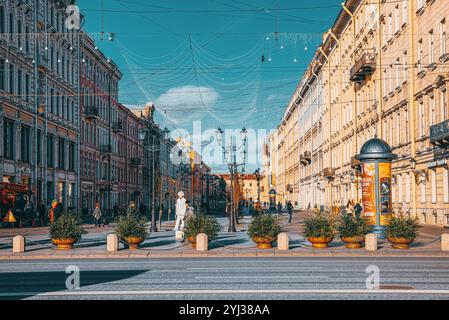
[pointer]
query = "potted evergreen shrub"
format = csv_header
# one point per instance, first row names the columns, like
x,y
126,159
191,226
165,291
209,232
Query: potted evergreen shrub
x,y
264,230
319,230
353,230
200,223
402,231
66,231
132,229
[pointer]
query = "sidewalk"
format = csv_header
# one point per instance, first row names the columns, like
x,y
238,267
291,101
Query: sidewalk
x,y
163,245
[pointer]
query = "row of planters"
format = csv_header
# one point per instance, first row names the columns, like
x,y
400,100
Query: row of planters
x,y
321,229
66,231
132,229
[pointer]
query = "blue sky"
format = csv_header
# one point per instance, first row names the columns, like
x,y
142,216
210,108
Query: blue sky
x,y
202,59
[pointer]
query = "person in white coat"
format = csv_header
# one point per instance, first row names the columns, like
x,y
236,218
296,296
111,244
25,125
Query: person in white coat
x,y
181,209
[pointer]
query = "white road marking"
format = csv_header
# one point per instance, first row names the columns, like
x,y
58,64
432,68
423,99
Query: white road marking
x,y
249,268
265,277
208,292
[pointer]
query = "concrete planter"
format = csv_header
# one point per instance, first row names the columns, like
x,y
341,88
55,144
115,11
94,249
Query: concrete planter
x,y
353,242
64,244
134,242
320,242
264,242
400,243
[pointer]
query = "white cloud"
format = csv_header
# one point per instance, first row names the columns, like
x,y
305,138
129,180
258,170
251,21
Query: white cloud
x,y
185,103
190,96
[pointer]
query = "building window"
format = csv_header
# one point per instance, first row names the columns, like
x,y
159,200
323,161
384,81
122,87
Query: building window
x,y
61,154
420,55
443,105
11,27
2,19
50,151
407,188
71,156
433,178
404,12
2,74
19,83
25,144
421,118
27,87
443,41
446,185
423,192
39,147
11,79
8,139
431,47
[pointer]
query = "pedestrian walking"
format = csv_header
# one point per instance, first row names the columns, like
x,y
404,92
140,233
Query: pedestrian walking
x,y
181,209
41,211
280,208
290,211
246,209
97,215
115,211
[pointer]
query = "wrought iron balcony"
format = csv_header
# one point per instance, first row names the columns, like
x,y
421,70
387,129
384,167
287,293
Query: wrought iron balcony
x,y
117,126
134,162
329,173
90,112
363,67
106,148
439,134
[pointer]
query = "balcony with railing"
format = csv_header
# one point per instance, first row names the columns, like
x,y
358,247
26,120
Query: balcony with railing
x,y
90,112
329,173
364,67
439,134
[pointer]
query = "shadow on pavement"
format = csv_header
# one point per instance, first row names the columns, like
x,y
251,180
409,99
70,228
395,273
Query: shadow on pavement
x,y
28,284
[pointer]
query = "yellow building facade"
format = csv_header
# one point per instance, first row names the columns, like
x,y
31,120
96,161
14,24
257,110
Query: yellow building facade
x,y
382,70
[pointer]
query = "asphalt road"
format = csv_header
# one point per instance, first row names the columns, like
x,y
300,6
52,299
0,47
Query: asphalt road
x,y
227,279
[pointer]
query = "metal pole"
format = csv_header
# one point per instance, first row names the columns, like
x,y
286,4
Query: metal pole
x,y
153,218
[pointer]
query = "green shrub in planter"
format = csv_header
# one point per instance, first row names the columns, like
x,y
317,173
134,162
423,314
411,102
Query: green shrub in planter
x,y
350,226
264,226
319,225
66,227
131,226
402,227
201,223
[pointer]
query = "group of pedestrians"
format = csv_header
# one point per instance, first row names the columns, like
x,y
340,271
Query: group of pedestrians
x,y
31,216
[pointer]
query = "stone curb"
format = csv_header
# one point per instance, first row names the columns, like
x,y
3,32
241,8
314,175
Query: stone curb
x,y
232,254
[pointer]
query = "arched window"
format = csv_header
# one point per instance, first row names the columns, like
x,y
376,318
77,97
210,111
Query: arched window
x,y
11,26
19,33
27,39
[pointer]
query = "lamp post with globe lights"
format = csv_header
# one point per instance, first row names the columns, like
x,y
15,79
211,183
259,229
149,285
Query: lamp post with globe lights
x,y
230,156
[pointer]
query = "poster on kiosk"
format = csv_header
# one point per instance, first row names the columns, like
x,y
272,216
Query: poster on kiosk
x,y
376,184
